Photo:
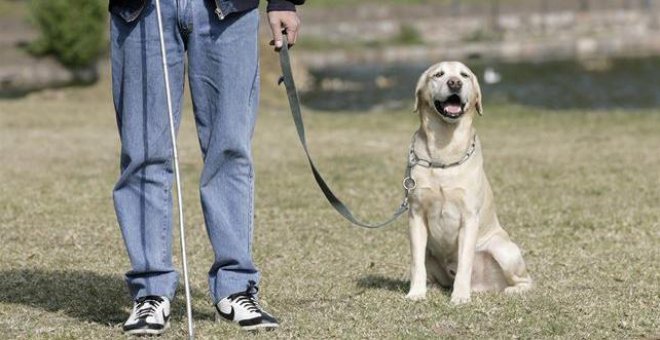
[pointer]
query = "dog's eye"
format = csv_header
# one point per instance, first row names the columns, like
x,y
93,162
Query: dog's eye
x,y
465,75
439,74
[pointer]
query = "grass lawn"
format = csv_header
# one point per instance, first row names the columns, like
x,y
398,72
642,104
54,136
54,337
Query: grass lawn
x,y
577,190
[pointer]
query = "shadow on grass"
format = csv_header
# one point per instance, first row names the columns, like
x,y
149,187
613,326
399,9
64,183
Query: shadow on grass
x,y
381,282
85,295
394,285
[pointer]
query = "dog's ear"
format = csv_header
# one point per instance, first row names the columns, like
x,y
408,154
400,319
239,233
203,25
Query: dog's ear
x,y
416,107
478,98
419,91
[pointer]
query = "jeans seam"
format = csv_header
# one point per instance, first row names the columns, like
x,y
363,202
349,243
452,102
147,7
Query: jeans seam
x,y
252,110
163,234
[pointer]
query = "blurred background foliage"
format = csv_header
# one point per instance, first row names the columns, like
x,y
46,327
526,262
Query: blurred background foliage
x,y
71,30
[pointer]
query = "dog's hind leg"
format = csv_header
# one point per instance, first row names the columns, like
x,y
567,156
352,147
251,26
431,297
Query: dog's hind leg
x,y
436,272
508,256
487,274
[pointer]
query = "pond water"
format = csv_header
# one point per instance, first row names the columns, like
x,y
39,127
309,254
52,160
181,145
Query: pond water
x,y
632,83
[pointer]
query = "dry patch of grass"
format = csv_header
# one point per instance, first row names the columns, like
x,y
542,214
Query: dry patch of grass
x,y
577,190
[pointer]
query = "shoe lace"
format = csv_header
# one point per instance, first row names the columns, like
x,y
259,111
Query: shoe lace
x,y
147,305
247,299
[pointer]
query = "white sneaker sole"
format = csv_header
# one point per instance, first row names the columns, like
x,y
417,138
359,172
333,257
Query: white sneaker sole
x,y
261,326
147,331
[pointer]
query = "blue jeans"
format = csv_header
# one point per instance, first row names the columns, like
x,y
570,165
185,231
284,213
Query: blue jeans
x,y
223,74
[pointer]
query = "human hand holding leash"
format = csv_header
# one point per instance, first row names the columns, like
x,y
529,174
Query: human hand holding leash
x,y
283,22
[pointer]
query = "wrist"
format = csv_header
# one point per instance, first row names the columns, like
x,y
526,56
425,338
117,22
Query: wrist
x,y
280,5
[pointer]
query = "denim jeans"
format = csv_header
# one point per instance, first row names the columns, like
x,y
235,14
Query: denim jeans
x,y
223,74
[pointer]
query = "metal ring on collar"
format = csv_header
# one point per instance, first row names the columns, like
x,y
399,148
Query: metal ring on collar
x,y
409,183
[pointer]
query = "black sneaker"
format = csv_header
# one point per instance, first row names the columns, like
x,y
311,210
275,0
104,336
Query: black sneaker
x,y
243,309
150,316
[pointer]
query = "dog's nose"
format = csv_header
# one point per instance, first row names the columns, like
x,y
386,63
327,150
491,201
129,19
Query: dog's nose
x,y
454,83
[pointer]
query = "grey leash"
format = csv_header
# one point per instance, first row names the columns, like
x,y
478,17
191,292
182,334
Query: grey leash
x,y
294,103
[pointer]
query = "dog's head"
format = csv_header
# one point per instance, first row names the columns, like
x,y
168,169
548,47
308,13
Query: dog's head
x,y
449,89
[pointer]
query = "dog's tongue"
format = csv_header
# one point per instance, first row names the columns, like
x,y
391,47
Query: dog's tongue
x,y
453,109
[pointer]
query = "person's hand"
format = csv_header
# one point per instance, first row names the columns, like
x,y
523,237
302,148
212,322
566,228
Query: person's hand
x,y
283,21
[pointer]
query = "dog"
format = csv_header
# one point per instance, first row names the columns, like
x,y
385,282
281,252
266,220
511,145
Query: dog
x,y
456,239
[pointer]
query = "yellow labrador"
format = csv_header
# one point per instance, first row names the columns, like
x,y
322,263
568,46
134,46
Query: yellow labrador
x,y
455,237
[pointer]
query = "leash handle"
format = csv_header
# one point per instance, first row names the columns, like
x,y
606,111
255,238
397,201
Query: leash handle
x,y
294,103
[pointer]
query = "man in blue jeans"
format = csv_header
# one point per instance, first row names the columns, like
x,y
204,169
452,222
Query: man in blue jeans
x,y
220,40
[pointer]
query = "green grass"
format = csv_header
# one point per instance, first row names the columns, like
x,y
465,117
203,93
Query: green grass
x,y
408,35
577,190
340,3
13,9
336,3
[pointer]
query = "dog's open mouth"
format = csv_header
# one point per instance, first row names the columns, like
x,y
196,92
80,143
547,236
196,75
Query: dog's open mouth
x,y
453,107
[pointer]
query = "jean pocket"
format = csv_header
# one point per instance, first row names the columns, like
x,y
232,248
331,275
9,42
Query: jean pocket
x,y
126,9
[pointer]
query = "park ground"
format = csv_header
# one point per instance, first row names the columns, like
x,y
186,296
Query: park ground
x,y
578,190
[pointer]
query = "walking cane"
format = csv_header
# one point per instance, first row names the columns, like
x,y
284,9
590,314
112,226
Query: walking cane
x,y
175,156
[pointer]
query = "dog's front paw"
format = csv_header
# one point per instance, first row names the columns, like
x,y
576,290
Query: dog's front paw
x,y
460,298
416,296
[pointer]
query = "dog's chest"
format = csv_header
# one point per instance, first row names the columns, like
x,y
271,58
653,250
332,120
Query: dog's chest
x,y
444,218
444,225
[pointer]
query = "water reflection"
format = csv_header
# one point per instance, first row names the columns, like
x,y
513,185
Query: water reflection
x,y
632,83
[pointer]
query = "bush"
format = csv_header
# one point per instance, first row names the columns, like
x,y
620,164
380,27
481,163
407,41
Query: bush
x,y
408,35
71,30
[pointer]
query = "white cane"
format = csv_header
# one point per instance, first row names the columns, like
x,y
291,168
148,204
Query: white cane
x,y
182,230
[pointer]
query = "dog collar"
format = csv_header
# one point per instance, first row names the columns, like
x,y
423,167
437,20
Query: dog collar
x,y
414,160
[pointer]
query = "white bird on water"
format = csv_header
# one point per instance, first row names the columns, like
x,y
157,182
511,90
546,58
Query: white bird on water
x,y
491,76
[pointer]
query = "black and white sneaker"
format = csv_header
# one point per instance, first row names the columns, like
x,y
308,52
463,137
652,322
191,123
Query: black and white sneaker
x,y
150,316
243,309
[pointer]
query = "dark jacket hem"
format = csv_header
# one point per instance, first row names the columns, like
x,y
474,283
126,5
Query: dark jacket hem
x,y
130,10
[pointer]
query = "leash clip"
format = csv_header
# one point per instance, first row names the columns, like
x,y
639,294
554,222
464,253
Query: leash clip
x,y
412,158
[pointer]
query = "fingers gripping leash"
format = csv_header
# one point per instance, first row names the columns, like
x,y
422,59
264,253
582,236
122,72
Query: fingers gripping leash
x,y
176,171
